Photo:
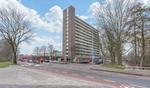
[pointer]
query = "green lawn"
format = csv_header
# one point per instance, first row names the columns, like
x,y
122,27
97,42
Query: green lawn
x,y
5,64
115,66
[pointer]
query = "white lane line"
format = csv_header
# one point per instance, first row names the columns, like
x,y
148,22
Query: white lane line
x,y
75,74
109,80
55,70
138,86
87,76
125,86
65,72
36,65
23,65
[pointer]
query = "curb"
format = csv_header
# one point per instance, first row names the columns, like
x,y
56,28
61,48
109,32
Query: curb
x,y
120,72
59,62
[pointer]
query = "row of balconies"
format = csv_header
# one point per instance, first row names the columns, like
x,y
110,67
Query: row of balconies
x,y
88,42
86,50
87,29
77,47
80,30
85,45
79,35
84,53
85,24
84,29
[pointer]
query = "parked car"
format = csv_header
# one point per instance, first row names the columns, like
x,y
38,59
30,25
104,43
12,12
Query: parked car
x,y
30,61
98,61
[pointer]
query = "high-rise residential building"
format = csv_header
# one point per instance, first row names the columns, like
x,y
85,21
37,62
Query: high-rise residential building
x,y
80,40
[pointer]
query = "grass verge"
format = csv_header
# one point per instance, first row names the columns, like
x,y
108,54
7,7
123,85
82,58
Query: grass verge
x,y
5,64
115,66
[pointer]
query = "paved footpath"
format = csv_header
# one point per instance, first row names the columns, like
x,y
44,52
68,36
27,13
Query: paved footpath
x,y
145,73
21,77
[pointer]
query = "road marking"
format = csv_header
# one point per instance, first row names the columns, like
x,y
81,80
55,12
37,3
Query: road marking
x,y
75,74
125,86
139,86
109,80
23,65
56,70
37,65
87,76
65,72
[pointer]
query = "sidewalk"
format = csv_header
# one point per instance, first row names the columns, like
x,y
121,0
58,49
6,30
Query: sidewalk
x,y
136,72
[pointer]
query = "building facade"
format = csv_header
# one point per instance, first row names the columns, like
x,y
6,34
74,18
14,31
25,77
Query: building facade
x,y
80,40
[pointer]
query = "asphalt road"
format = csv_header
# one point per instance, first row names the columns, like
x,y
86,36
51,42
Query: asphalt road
x,y
83,70
22,77
45,86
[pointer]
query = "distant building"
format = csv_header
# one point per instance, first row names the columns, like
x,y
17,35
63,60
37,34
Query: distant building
x,y
80,40
57,53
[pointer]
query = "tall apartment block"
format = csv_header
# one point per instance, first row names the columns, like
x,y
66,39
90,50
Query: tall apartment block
x,y
80,40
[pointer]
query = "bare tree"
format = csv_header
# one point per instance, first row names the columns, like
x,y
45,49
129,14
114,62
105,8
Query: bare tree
x,y
134,32
43,50
14,28
141,21
112,18
103,48
50,49
36,51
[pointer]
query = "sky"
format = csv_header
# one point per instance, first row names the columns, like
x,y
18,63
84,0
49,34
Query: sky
x,y
46,19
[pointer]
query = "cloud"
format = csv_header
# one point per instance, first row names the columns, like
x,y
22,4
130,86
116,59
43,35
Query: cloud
x,y
94,7
54,19
83,17
27,48
146,2
51,22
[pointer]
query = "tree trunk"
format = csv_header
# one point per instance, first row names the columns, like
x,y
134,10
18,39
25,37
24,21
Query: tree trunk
x,y
14,58
112,56
14,51
119,57
135,46
119,53
143,45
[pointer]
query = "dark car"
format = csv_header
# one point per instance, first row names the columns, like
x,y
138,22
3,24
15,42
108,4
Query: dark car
x,y
98,61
